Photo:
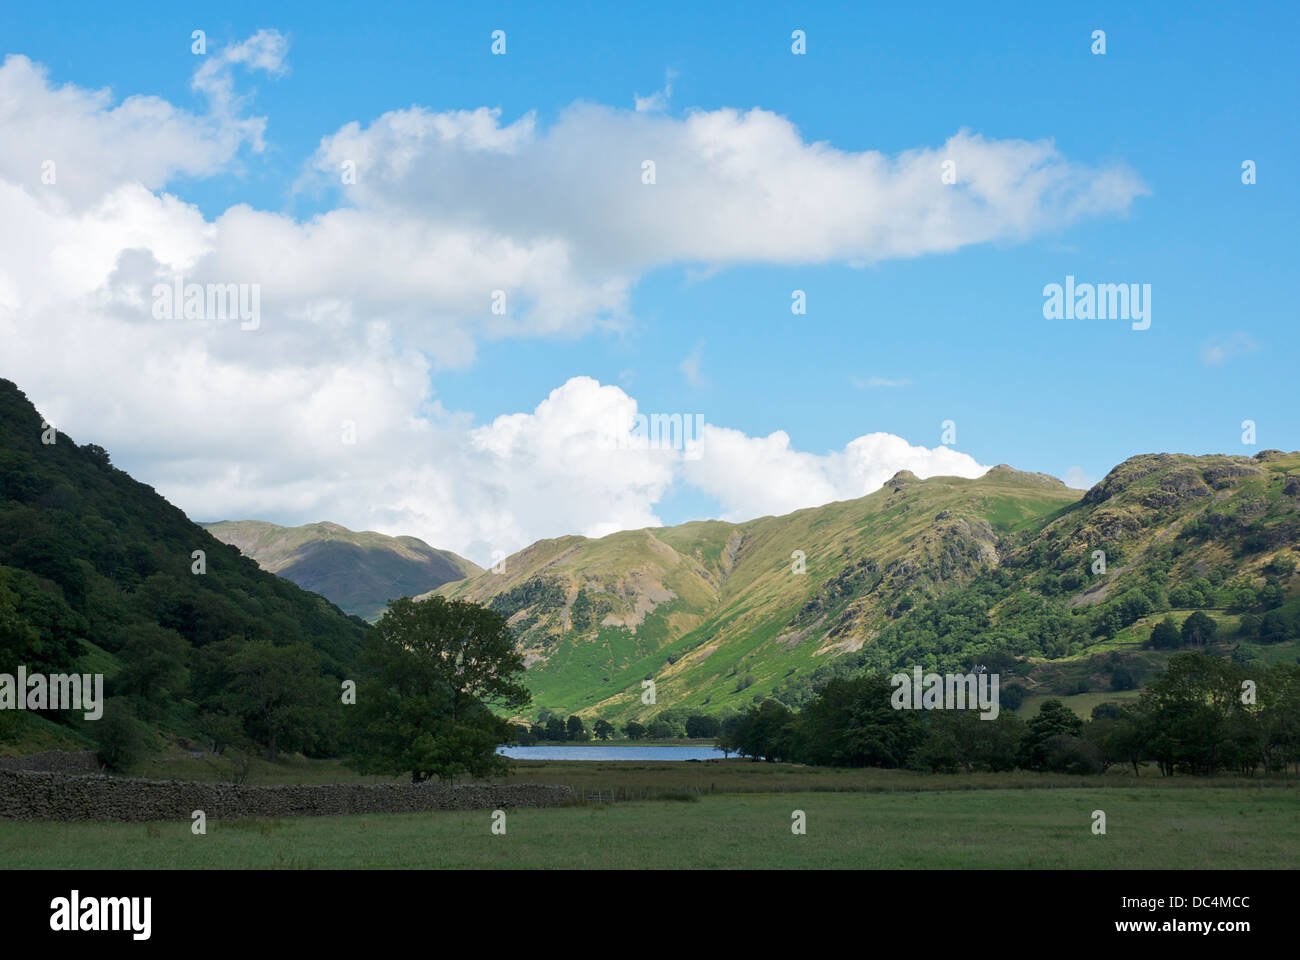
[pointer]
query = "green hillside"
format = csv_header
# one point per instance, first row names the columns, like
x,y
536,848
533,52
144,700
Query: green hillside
x,y
944,573
359,571
1006,570
98,572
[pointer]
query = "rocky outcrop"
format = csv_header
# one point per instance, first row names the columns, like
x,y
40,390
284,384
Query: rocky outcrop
x,y
1126,474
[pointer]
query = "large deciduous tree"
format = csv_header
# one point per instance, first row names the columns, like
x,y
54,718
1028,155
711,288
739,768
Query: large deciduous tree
x,y
278,694
436,670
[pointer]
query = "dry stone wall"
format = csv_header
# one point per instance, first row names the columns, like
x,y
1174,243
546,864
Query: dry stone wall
x,y
25,795
55,761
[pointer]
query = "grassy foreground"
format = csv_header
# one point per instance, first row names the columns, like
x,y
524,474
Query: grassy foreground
x,y
629,780
1211,827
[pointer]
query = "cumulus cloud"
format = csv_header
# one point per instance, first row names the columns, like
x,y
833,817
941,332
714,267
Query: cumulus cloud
x,y
756,476
499,486
90,147
365,302
570,465
730,186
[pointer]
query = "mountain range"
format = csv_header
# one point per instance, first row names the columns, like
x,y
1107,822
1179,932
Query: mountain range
x,y
359,571
1057,588
1012,568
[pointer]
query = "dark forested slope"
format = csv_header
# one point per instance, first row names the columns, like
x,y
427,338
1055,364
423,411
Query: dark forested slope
x,y
96,564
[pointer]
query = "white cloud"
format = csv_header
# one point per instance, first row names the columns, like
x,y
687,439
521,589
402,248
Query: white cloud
x,y
690,366
362,303
97,147
659,99
264,50
755,476
731,186
1219,350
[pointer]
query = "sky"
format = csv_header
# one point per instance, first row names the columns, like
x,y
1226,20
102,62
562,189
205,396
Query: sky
x,y
384,181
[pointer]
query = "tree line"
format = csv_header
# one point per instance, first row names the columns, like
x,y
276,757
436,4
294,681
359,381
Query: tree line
x,y
669,724
1201,716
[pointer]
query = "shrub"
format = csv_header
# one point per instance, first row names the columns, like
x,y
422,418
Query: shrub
x,y
118,741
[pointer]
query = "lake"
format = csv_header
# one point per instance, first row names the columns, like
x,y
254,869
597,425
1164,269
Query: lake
x,y
612,753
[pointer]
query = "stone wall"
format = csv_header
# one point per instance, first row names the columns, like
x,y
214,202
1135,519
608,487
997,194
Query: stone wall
x,y
59,796
55,761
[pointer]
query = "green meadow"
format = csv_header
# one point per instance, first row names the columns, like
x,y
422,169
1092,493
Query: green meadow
x,y
738,815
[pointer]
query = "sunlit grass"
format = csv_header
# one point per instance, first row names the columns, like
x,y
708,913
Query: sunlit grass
x,y
1213,827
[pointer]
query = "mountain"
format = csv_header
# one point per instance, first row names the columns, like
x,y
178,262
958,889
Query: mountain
x,y
1055,588
709,609
943,572
99,572
360,572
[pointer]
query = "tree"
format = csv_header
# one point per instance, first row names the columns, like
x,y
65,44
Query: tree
x,y
1133,606
1053,719
962,739
766,732
1064,753
220,731
277,692
37,627
603,728
1279,717
555,729
1126,741
577,730
659,729
1198,630
702,727
1282,564
118,742
728,739
1243,600
1165,635
853,724
1280,625
634,730
663,727
437,668
1191,709
153,669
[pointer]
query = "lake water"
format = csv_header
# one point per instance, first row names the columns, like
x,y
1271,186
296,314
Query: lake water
x,y
612,753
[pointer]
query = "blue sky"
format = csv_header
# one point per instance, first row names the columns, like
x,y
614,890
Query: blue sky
x,y
1183,94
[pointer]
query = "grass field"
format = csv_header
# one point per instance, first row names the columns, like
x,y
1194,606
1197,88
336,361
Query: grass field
x,y
631,780
735,814
1211,827
1081,703
644,779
